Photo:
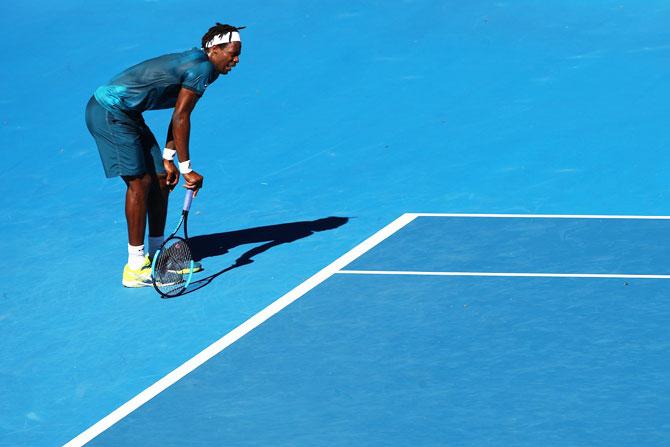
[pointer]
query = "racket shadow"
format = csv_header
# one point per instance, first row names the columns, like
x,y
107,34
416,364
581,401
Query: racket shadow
x,y
217,244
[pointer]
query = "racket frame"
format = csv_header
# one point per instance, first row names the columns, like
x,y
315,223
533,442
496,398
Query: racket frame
x,y
183,220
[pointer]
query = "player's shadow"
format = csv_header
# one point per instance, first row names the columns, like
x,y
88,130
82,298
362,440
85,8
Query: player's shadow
x,y
217,244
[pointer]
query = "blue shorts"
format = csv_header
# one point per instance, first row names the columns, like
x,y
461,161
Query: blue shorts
x,y
126,145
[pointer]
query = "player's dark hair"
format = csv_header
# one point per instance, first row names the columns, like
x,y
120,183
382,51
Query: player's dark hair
x,y
217,29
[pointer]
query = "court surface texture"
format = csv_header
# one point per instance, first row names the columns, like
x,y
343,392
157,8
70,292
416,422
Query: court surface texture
x,y
422,223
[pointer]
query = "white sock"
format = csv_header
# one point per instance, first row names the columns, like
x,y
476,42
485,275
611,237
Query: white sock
x,y
135,256
155,244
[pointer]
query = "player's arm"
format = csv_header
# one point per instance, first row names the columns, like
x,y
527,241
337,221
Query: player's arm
x,y
172,173
169,141
181,131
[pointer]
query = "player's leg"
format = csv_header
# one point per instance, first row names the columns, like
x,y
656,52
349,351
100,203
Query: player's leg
x,y
137,195
158,193
137,272
157,211
119,140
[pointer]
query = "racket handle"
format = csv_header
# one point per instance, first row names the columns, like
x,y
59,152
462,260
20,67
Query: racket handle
x,y
188,199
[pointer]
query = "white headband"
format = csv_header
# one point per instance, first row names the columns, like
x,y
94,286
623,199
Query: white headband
x,y
233,36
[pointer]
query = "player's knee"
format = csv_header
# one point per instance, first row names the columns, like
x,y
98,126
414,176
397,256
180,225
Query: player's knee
x,y
138,183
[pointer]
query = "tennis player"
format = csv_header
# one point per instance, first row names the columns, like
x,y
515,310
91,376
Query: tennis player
x,y
129,150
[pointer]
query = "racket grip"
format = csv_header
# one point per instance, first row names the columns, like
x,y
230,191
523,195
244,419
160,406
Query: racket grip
x,y
188,199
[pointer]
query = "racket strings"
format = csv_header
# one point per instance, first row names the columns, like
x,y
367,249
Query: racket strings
x,y
173,267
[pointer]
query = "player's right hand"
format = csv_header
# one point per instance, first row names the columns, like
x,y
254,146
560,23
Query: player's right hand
x,y
172,171
193,181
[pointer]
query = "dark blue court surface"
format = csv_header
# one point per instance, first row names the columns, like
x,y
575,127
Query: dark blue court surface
x,y
490,244
341,116
431,360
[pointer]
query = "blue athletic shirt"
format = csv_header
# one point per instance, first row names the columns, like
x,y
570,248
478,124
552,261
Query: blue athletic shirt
x,y
155,84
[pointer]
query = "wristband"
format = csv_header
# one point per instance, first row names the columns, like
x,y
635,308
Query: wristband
x,y
185,167
168,154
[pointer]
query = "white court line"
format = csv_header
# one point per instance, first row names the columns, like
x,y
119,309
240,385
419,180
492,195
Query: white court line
x,y
539,216
237,333
529,275
301,290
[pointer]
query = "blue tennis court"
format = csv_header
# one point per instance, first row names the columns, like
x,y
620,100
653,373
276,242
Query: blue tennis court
x,y
430,222
465,330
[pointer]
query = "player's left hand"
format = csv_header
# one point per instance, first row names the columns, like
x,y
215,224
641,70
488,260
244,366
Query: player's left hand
x,y
172,174
193,181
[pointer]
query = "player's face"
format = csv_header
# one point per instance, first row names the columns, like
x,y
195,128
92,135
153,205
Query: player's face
x,y
224,59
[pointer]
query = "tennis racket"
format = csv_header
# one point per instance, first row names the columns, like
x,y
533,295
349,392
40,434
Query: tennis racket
x,y
172,267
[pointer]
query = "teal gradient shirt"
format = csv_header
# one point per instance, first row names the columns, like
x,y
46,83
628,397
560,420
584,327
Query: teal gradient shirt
x,y
154,84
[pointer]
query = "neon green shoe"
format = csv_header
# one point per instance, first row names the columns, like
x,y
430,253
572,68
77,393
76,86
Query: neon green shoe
x,y
140,277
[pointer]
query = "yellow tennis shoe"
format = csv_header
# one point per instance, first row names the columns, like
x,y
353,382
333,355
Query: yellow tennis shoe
x,y
140,277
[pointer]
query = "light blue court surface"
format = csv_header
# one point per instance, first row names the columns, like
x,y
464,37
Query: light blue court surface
x,y
340,117
433,360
